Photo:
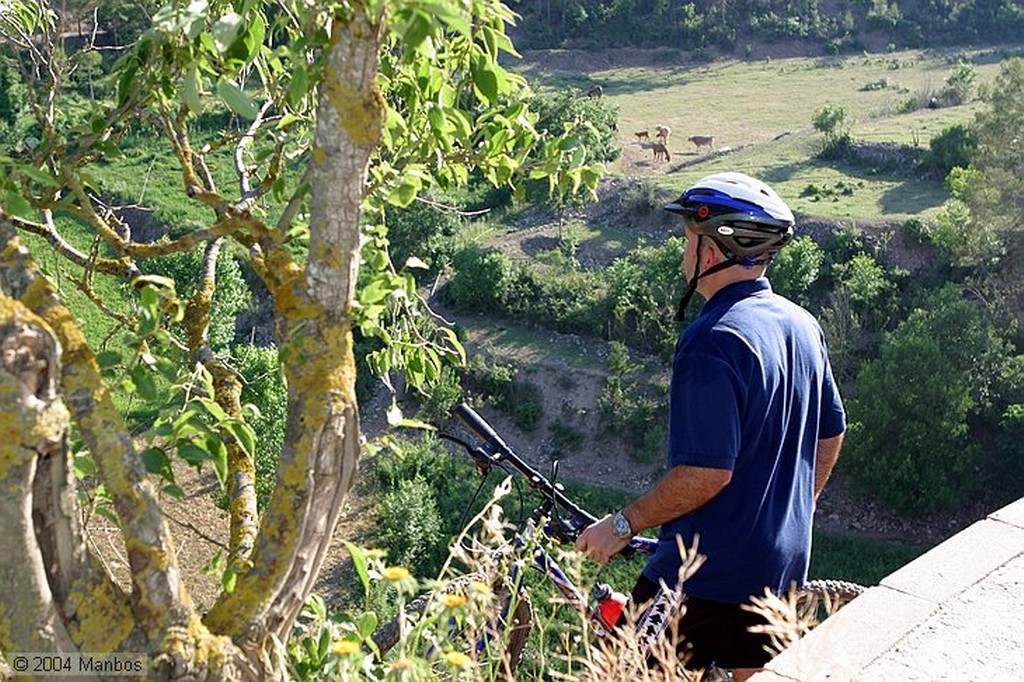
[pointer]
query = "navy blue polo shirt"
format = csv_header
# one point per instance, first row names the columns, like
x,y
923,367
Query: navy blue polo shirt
x,y
752,391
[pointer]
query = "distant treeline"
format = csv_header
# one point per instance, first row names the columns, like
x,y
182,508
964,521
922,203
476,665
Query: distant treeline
x,y
833,25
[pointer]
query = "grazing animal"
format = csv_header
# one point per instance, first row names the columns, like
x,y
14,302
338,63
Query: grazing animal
x,y
662,133
642,135
595,91
702,141
660,152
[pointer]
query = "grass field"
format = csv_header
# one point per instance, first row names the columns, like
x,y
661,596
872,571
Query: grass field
x,y
764,108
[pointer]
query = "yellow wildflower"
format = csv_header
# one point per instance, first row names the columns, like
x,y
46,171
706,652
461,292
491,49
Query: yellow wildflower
x,y
346,647
395,573
458,659
452,601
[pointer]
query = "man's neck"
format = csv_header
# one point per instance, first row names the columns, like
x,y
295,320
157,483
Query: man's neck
x,y
715,282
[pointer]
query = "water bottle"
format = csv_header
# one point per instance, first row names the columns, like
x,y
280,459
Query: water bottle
x,y
610,604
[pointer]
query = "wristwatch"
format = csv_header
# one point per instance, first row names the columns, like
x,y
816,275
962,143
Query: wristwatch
x,y
620,526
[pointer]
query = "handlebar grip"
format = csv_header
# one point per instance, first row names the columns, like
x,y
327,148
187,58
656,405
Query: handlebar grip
x,y
477,425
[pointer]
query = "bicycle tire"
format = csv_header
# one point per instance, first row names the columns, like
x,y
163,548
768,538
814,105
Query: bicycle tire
x,y
831,595
519,623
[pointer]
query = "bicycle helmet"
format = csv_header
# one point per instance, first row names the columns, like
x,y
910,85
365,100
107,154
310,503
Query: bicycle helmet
x,y
743,216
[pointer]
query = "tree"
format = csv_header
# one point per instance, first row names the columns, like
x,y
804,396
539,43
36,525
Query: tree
x,y
335,110
911,441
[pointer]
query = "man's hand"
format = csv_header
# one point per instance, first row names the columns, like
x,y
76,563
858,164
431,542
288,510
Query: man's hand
x,y
599,541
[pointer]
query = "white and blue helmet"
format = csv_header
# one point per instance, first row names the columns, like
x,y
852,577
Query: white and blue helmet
x,y
743,215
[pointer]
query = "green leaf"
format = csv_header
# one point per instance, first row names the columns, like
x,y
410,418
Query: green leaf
x,y
218,456
416,30
40,176
192,453
236,99
215,410
225,30
174,491
254,36
83,465
144,383
359,563
245,436
298,87
190,92
377,290
405,193
156,462
484,78
16,204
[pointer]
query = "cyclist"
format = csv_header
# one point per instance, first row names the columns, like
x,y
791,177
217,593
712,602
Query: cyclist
x,y
755,426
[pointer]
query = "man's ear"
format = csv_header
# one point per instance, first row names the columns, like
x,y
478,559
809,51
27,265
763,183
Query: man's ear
x,y
711,255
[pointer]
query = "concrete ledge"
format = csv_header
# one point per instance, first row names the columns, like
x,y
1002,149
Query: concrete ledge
x,y
853,638
955,613
962,560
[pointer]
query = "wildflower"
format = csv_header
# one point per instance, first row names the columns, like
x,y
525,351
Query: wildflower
x,y
452,601
345,647
458,659
395,573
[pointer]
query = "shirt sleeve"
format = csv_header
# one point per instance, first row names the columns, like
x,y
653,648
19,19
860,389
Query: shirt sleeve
x,y
832,420
704,412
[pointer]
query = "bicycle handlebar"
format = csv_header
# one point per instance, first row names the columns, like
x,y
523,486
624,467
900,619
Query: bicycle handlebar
x,y
499,451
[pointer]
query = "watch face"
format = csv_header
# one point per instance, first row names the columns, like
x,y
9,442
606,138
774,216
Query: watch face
x,y
621,524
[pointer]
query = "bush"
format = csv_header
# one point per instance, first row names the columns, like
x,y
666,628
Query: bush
x,y
795,268
425,231
640,197
910,441
480,280
522,400
635,416
953,147
263,388
410,526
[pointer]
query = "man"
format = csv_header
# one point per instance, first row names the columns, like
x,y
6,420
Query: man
x,y
755,427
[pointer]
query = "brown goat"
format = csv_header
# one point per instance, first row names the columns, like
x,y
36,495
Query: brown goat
x,y
662,133
642,135
660,152
702,141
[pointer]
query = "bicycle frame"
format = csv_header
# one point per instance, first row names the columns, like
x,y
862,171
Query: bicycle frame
x,y
494,451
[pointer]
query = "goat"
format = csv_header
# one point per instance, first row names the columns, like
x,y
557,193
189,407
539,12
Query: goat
x,y
702,141
642,135
595,91
660,152
662,133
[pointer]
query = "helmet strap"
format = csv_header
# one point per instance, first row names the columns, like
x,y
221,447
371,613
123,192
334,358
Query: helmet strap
x,y
697,274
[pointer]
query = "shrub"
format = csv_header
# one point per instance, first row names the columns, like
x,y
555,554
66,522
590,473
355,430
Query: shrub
x,y
522,400
639,197
636,416
481,278
953,147
425,231
910,441
409,525
795,268
263,387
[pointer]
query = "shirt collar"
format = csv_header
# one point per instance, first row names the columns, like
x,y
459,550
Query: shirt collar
x,y
731,293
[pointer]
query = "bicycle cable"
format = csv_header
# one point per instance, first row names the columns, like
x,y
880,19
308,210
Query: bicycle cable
x,y
484,473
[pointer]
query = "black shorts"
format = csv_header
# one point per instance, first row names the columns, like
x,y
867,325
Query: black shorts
x,y
714,632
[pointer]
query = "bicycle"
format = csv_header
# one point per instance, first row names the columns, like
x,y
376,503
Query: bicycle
x,y
561,519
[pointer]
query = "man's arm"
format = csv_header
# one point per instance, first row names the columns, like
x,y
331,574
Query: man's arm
x,y
825,461
681,490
